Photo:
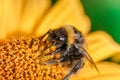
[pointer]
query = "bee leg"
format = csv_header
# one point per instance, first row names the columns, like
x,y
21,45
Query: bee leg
x,y
56,51
51,62
46,48
78,65
56,60
71,62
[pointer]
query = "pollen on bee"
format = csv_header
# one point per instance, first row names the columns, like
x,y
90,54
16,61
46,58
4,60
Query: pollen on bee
x,y
21,59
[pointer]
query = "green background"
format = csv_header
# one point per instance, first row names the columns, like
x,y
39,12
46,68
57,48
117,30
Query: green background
x,y
104,15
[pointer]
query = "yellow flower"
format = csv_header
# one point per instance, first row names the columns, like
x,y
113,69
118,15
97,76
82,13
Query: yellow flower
x,y
36,17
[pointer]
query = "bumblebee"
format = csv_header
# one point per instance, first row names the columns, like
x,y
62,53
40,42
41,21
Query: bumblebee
x,y
69,44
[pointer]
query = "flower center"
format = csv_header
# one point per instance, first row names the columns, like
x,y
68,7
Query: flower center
x,y
20,58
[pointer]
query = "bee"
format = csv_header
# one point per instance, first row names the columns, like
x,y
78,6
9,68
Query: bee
x,y
69,44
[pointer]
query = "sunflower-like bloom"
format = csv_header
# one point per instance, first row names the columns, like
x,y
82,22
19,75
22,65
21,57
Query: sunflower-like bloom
x,y
33,18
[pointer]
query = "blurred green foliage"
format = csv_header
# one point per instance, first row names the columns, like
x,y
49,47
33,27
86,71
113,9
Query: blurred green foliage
x,y
104,15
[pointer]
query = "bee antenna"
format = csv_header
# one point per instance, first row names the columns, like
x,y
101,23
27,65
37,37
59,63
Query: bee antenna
x,y
41,37
31,43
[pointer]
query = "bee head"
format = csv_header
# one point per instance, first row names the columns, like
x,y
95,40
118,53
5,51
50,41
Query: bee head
x,y
57,37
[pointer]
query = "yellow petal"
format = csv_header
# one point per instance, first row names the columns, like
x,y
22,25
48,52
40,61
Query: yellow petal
x,y
10,11
101,45
62,13
108,71
11,15
2,28
33,13
116,58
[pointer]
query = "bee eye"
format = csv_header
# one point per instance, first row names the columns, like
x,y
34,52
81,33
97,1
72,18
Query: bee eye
x,y
62,39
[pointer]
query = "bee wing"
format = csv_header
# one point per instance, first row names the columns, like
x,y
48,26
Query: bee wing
x,y
87,56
